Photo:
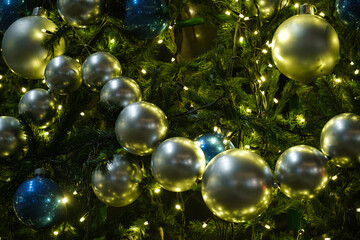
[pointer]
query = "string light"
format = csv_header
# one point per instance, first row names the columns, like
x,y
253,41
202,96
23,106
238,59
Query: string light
x,y
185,88
204,225
256,32
247,147
112,40
262,92
1,77
157,190
75,192
296,5
43,81
270,65
170,27
46,133
160,41
276,101
59,107
262,78
143,71
82,219
0,85
64,200
241,15
77,60
334,177
267,226
322,14
56,233
146,223
246,18
241,40
173,59
351,63
358,210
227,13
43,30
23,90
327,238
248,110
216,129
82,114
178,207
338,80
356,72
265,51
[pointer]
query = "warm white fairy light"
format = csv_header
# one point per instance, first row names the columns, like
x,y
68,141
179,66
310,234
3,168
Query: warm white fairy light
x,y
82,219
241,40
143,71
160,41
227,13
43,30
82,114
327,238
296,5
178,207
112,40
334,177
0,85
265,51
270,65
241,15
75,192
262,78
59,107
216,129
356,72
204,225
64,200
262,92
276,101
77,60
246,18
146,223
46,133
247,147
23,90
157,190
358,210
43,81
322,14
185,88
338,80
172,59
170,27
351,63
267,226
56,233
248,110
1,77
256,32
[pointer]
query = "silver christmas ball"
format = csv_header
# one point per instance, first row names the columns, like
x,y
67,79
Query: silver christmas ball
x,y
140,127
117,183
305,47
267,8
237,185
23,46
120,92
12,136
177,163
340,140
301,172
99,68
80,13
63,75
39,105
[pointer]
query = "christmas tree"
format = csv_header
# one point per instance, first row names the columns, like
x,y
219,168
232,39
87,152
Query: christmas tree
x,y
231,70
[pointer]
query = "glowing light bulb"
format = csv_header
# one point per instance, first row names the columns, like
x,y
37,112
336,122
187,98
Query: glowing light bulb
x,y
265,51
75,193
143,71
338,80
160,41
112,40
241,40
157,190
262,78
82,219
267,226
247,147
358,210
227,13
248,110
296,5
351,63
204,225
1,76
146,223
185,88
177,206
56,233
246,18
170,27
276,101
256,32
43,30
270,65
59,107
241,15
356,72
82,114
23,90
173,59
334,177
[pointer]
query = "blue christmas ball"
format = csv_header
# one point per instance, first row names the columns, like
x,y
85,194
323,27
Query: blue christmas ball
x,y
9,12
349,12
145,19
212,144
37,202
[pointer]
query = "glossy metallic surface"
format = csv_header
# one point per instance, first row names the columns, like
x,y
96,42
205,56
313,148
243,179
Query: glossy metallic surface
x,y
177,163
39,106
145,19
80,13
63,75
99,68
237,185
23,46
212,144
117,183
120,92
301,172
12,136
349,12
37,202
267,8
305,47
340,140
140,127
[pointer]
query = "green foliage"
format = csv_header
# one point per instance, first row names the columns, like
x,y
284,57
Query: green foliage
x,y
234,86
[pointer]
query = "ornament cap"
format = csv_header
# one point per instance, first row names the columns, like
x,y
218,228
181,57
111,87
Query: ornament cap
x,y
307,9
39,11
41,171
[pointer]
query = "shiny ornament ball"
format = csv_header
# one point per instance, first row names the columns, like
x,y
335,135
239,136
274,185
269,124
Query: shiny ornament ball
x,y
99,68
63,75
301,172
177,164
340,140
213,144
145,19
80,13
39,106
116,184
12,136
37,202
305,47
120,92
140,127
349,12
237,185
23,46
9,11
267,8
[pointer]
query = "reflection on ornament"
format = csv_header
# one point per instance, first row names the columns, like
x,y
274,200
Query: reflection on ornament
x,y
349,12
301,172
99,68
12,136
39,106
140,127
37,202
117,183
213,144
177,163
80,13
23,46
120,92
267,8
305,47
63,74
145,19
237,185
340,140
